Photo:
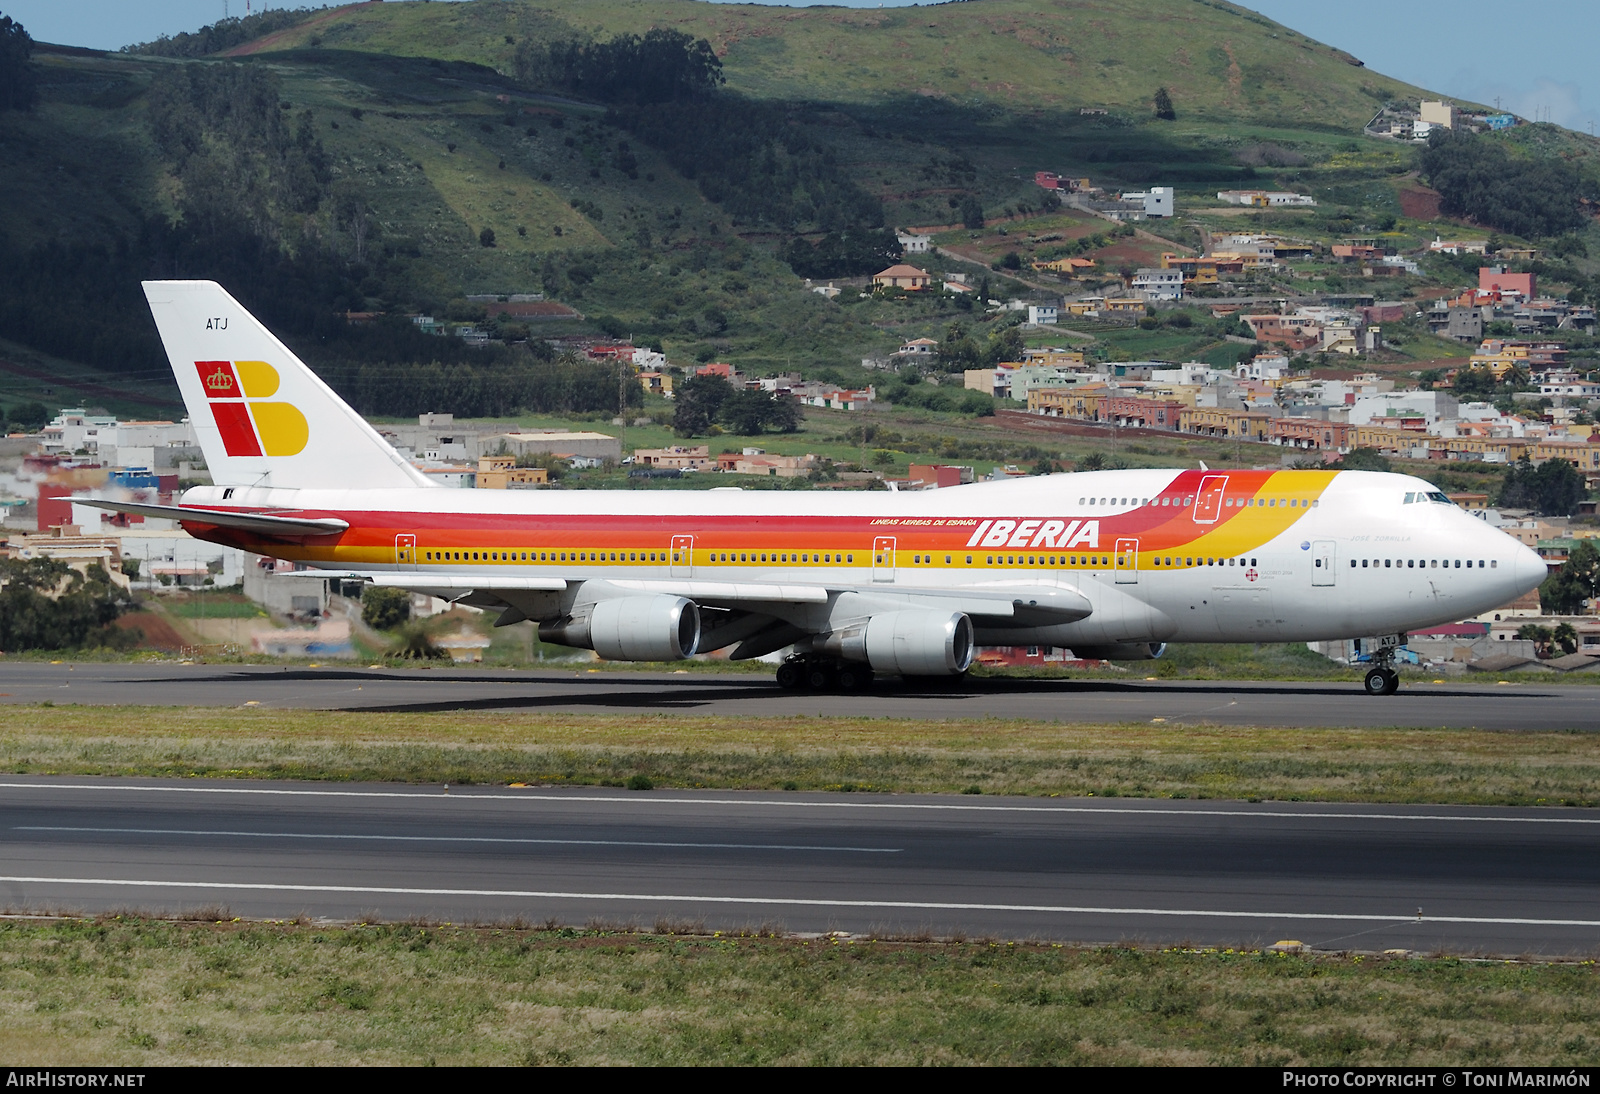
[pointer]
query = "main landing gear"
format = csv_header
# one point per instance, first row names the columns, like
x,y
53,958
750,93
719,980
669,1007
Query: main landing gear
x,y
823,674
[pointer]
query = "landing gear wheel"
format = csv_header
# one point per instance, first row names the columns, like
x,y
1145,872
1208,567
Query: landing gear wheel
x,y
854,677
819,676
791,676
1382,682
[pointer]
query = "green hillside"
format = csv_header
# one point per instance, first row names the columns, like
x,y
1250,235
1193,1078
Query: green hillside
x,y
1220,61
398,158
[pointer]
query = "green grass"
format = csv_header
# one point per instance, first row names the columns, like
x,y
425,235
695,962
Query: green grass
x,y
1177,758
219,606
135,992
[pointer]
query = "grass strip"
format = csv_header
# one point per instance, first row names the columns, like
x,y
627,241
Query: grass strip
x,y
800,753
133,991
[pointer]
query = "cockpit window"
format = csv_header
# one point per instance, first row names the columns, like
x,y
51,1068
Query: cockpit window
x,y
1434,495
1420,496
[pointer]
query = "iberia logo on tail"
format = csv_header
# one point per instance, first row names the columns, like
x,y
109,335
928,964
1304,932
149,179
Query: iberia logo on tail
x,y
250,426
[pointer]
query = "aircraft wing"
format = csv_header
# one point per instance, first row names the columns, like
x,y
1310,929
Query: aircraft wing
x,y
1035,604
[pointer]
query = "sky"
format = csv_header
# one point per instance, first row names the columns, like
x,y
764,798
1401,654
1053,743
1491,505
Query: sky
x,y
1535,58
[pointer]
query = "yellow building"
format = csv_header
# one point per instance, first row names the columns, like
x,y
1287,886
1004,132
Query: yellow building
x,y
1508,449
1068,402
1500,357
502,473
1210,421
1580,454
1053,358
1386,438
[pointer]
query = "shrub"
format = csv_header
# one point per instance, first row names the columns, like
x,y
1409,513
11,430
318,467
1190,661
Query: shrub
x,y
384,609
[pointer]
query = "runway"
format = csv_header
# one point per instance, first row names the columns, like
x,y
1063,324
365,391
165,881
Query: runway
x,y
1518,704
1335,877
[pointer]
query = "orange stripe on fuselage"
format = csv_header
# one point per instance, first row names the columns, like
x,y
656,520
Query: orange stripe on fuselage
x,y
1255,507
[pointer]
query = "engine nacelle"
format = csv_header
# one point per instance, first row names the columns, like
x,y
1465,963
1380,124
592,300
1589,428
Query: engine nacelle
x,y
909,643
631,628
1121,651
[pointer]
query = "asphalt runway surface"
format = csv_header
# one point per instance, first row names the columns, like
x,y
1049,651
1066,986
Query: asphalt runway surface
x,y
1500,881
1518,704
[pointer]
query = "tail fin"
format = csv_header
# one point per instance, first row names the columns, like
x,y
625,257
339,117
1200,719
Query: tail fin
x,y
263,417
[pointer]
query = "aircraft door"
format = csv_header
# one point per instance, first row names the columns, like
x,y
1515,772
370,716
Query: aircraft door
x,y
1127,567
1322,571
1208,499
405,552
682,564
883,558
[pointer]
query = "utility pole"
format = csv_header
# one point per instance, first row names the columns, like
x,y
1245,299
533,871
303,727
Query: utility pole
x,y
622,407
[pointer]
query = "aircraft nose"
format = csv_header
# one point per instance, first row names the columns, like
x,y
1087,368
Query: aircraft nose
x,y
1528,569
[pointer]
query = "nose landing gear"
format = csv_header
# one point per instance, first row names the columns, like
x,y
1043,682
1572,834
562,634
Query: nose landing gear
x,y
1382,679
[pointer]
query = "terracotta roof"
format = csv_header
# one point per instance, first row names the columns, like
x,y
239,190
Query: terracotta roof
x,y
902,270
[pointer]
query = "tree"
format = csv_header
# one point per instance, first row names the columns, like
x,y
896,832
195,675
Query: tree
x,y
1565,638
1480,179
698,401
18,88
843,254
1365,459
1552,489
45,605
486,238
1163,105
662,67
1541,638
30,417
971,211
1565,591
748,413
384,608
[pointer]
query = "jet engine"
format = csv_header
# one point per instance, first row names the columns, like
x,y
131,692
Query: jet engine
x,y
630,628
909,643
1122,651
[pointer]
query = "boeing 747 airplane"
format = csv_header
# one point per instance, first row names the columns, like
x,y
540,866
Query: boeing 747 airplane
x,y
1111,564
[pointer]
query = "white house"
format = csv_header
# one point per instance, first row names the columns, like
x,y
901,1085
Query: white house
x,y
1273,198
1159,284
915,244
1157,201
1046,314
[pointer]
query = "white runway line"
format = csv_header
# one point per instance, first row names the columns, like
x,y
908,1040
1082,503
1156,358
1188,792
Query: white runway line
x,y
463,839
554,799
909,905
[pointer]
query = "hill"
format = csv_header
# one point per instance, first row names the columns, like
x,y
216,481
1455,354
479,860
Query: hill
x,y
1220,61
391,159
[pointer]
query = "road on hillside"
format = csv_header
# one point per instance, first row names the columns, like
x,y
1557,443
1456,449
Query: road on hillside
x,y
1419,878
1518,704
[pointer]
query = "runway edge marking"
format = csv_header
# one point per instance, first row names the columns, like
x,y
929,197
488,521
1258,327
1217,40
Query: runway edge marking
x,y
810,902
954,808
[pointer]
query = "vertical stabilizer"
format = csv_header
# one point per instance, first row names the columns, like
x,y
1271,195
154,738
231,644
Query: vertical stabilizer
x,y
263,417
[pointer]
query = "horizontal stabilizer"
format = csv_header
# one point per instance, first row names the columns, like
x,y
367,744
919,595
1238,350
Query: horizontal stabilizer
x,y
266,524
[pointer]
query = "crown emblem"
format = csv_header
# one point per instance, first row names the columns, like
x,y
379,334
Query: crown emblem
x,y
220,380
